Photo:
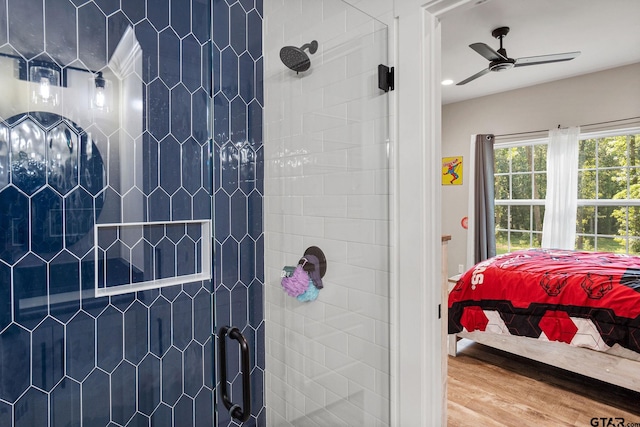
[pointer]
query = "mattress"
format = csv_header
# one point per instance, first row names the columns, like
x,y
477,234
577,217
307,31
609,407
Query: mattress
x,y
584,299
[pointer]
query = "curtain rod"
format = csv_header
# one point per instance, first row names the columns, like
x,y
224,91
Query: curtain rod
x,y
586,125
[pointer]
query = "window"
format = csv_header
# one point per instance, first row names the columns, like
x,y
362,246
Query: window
x,y
520,190
609,194
608,217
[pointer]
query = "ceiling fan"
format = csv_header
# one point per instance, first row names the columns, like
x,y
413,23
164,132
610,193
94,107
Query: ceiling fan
x,y
499,61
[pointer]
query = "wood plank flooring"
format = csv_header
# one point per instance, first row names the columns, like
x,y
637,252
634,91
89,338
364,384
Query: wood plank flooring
x,y
488,387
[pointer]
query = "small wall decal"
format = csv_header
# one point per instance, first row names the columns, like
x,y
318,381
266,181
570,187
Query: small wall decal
x,y
452,170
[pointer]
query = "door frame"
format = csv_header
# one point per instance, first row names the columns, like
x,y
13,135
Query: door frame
x,y
418,358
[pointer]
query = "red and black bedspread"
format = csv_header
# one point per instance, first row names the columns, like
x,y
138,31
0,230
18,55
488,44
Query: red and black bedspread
x,y
586,299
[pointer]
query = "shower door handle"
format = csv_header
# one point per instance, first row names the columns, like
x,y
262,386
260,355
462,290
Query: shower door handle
x,y
240,413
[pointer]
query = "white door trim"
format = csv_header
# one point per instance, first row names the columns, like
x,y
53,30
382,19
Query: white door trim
x,y
418,393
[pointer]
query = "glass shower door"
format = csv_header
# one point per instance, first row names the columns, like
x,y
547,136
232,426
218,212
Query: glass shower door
x,y
105,290
327,170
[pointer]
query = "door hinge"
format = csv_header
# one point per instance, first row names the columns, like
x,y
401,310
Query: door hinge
x,y
385,78
439,311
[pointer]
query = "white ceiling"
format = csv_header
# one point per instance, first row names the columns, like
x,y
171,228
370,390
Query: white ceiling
x,y
607,32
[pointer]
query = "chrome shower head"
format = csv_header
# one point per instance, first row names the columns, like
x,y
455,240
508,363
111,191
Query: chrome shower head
x,y
295,58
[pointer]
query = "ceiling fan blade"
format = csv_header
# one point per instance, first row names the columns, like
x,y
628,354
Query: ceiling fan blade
x,y
475,76
545,59
486,51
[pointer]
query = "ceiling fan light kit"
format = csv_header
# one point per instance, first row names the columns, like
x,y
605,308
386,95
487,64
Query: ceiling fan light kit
x,y
500,61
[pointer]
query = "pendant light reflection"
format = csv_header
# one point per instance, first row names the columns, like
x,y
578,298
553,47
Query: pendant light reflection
x,y
100,92
46,85
46,80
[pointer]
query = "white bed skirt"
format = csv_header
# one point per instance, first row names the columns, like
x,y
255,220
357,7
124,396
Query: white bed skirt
x,y
617,366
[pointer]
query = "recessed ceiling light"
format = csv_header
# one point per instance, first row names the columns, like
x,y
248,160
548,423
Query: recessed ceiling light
x,y
447,82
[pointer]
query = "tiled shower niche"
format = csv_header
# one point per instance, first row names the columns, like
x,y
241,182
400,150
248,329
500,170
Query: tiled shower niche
x,y
135,257
67,357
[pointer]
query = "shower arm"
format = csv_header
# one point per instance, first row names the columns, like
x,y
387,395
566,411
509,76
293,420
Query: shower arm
x,y
312,46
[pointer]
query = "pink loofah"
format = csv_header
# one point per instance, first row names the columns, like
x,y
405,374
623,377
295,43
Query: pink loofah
x,y
297,283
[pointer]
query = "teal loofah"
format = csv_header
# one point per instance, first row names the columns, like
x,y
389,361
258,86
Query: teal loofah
x,y
310,294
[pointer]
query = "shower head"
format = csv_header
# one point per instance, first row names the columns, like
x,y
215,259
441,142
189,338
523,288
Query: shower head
x,y
295,58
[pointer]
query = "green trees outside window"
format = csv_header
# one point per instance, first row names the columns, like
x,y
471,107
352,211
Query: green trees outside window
x,y
608,216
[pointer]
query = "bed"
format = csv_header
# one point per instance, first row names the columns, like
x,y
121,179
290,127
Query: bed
x,y
579,311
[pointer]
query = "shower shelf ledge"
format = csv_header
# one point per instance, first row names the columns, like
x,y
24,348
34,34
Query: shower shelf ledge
x,y
139,256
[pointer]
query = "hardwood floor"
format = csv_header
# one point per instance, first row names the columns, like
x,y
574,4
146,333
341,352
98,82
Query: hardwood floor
x,y
488,387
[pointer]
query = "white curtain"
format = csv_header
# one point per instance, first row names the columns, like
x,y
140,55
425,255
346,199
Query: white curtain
x,y
559,227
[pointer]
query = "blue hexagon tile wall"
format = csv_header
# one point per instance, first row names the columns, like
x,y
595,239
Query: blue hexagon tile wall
x,y
145,358
237,90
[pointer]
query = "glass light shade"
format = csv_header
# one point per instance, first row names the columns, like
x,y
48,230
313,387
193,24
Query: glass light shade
x,y
45,85
100,93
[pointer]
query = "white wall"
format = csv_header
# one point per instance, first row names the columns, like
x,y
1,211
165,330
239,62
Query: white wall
x,y
592,98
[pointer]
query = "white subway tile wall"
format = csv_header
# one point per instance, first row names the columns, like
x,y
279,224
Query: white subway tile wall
x,y
327,185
